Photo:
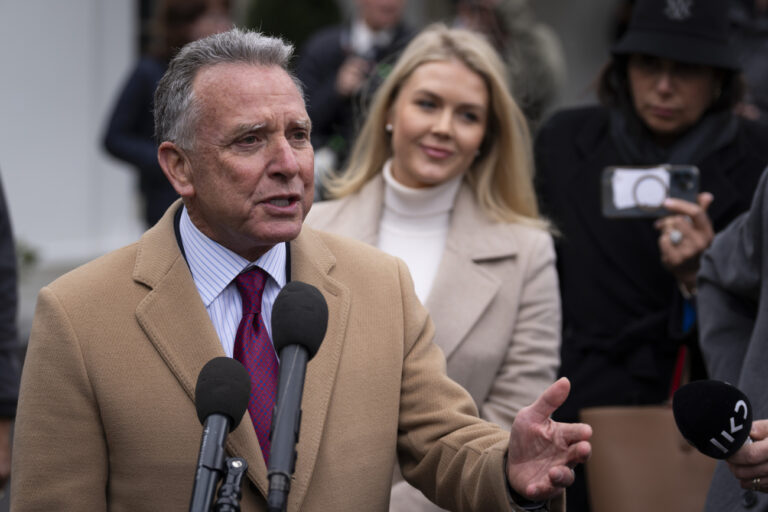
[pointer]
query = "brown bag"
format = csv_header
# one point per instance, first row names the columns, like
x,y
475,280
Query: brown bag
x,y
640,462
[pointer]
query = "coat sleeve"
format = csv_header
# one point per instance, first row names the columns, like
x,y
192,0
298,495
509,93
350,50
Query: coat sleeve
x,y
533,353
58,426
729,284
444,449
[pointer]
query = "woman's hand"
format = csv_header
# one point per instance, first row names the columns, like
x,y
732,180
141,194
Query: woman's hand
x,y
685,234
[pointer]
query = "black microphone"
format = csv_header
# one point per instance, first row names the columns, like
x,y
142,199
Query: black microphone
x,y
714,416
299,321
221,397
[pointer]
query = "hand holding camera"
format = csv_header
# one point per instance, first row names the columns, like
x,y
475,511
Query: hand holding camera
x,y
685,234
669,193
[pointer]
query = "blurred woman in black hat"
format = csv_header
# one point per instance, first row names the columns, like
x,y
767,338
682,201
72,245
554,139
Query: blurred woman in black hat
x,y
628,284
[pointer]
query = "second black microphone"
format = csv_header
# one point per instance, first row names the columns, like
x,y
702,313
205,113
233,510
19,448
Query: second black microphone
x,y
299,322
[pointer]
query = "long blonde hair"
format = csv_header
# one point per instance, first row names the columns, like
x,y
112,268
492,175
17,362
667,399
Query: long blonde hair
x,y
502,174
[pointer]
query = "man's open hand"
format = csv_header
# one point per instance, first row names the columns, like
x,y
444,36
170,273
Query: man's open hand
x,y
543,452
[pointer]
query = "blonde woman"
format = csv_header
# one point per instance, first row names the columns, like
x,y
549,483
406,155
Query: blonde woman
x,y
441,176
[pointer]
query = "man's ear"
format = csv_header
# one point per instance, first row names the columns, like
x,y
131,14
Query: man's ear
x,y
176,168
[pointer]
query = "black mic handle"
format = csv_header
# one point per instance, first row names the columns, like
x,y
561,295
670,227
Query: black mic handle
x,y
210,464
286,421
230,491
279,485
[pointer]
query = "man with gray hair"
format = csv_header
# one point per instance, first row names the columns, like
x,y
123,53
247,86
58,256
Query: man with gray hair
x,y
106,417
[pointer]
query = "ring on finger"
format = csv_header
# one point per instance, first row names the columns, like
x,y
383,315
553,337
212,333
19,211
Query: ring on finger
x,y
756,483
675,236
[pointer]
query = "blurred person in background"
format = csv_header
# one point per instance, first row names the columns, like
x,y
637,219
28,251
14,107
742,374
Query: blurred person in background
x,y
338,64
749,19
295,25
532,51
628,285
441,176
9,347
130,130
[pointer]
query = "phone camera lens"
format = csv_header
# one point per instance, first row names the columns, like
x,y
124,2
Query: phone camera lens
x,y
683,181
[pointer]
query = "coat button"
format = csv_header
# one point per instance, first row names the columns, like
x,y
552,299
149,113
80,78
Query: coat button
x,y
748,499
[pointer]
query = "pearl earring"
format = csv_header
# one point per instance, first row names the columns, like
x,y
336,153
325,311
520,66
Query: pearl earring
x,y
388,127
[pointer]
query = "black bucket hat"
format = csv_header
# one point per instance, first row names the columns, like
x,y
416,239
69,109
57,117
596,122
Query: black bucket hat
x,y
691,31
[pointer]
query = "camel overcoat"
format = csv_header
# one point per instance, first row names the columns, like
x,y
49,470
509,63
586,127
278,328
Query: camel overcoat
x,y
107,417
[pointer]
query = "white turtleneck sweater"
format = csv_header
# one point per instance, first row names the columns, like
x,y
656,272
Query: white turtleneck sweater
x,y
414,226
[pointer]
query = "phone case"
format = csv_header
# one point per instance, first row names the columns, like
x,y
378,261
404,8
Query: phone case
x,y
636,192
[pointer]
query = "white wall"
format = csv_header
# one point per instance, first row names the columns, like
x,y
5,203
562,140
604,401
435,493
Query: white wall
x,y
61,63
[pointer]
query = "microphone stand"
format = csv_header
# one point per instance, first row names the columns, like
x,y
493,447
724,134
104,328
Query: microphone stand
x,y
230,491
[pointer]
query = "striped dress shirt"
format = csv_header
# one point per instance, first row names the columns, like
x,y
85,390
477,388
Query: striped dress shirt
x,y
214,268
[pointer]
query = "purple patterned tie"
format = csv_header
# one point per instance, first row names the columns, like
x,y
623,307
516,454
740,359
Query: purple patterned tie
x,y
254,350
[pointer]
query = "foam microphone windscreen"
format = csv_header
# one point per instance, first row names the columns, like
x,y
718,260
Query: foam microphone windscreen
x,y
299,317
223,387
713,416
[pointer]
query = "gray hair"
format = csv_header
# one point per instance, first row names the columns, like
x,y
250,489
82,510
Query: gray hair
x,y
175,107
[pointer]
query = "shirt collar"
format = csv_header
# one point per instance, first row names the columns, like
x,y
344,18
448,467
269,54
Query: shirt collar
x,y
213,266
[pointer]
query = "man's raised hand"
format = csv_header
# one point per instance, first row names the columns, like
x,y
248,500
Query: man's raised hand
x,y
543,452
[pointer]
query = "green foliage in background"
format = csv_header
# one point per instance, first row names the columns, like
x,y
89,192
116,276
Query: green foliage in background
x,y
293,20
26,257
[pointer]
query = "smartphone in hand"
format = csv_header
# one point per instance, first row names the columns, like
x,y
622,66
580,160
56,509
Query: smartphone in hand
x,y
636,192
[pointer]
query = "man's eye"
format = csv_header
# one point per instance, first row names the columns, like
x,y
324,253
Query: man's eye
x,y
299,136
248,140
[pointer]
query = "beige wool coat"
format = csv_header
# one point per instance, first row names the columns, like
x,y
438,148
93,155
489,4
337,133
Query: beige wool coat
x,y
107,421
494,301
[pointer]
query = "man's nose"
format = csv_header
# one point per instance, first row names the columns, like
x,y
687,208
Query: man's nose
x,y
283,158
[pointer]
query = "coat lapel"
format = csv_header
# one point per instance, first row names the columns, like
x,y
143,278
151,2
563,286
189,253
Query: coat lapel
x,y
175,321
356,216
472,239
311,262
172,314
